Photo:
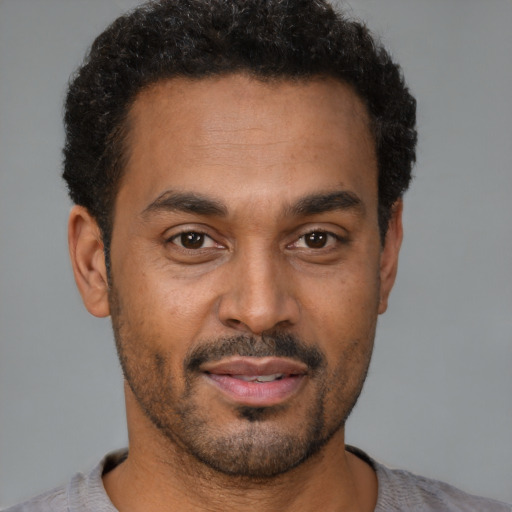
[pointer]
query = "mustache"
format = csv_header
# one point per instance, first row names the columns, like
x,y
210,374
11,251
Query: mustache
x,y
273,344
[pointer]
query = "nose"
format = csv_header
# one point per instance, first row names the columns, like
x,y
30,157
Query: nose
x,y
258,295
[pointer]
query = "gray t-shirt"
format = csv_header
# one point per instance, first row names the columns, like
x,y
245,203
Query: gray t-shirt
x,y
399,491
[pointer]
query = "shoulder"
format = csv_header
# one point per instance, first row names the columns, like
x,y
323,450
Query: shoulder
x,y
51,501
82,493
401,490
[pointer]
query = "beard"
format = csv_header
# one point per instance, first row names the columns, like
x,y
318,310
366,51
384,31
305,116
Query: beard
x,y
252,442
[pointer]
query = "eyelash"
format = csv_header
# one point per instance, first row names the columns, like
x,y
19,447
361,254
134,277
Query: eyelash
x,y
206,236
338,238
196,232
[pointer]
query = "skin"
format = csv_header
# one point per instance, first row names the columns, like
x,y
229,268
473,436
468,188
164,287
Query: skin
x,y
259,152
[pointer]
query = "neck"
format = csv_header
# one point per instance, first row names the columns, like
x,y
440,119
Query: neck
x,y
159,475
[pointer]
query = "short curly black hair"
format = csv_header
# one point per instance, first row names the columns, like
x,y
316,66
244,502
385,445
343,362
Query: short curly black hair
x,y
267,39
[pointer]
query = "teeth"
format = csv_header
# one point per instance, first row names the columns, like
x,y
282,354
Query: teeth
x,y
259,378
269,378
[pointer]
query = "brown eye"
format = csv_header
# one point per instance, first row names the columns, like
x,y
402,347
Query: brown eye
x,y
316,240
191,240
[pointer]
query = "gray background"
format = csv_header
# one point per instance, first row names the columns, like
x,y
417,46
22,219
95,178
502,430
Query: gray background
x,y
438,398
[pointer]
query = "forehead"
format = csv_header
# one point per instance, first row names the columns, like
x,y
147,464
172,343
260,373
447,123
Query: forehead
x,y
248,137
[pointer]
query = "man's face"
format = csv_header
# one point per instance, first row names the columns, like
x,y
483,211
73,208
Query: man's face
x,y
247,266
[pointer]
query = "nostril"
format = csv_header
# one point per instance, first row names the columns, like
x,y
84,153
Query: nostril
x,y
284,324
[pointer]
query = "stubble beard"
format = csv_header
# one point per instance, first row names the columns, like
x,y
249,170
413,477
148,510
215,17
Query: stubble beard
x,y
260,449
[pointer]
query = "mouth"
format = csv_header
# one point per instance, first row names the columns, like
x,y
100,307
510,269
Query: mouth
x,y
260,378
256,382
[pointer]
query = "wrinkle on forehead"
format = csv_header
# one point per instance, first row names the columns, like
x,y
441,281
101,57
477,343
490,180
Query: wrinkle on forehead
x,y
173,96
251,137
239,113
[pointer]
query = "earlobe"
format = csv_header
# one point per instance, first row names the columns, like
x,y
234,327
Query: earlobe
x,y
389,254
88,261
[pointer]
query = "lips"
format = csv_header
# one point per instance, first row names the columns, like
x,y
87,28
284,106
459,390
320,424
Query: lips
x,y
257,382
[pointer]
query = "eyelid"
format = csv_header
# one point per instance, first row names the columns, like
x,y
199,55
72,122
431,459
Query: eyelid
x,y
179,229
334,239
341,238
172,234
206,236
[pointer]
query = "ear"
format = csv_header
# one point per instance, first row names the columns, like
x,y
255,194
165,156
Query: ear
x,y
88,261
389,254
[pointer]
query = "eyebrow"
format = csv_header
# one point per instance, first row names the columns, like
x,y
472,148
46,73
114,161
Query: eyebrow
x,y
187,202
326,202
314,204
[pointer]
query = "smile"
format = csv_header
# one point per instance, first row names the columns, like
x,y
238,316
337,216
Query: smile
x,y
257,382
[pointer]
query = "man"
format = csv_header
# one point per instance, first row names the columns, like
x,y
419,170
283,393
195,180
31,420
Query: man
x,y
238,170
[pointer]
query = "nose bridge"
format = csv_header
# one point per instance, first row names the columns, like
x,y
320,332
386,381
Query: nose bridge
x,y
257,298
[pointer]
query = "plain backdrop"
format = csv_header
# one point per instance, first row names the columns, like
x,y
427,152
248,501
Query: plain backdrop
x,y
438,399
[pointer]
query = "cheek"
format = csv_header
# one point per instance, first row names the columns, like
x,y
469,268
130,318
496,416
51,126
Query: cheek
x,y
166,307
344,305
